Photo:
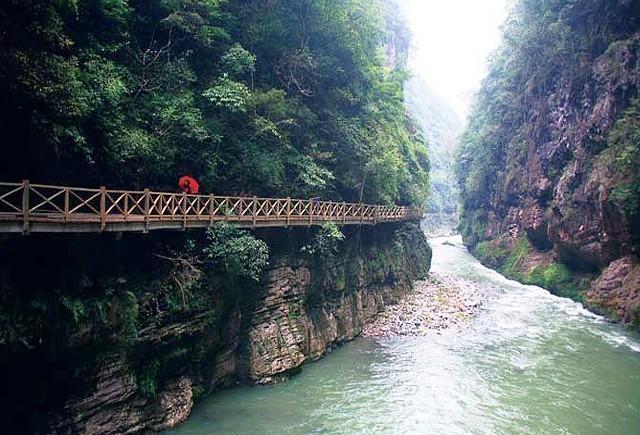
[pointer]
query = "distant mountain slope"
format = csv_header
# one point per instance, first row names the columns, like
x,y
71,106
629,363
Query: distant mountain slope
x,y
441,125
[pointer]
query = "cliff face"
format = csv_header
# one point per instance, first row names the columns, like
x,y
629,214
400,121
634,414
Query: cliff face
x,y
86,375
557,204
308,308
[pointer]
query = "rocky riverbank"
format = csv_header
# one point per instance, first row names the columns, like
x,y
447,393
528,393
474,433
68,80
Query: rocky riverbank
x,y
440,302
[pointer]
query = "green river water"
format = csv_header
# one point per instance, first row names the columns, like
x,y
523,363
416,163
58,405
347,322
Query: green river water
x,y
530,363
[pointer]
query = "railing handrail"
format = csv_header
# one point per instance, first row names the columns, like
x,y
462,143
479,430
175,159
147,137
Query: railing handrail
x,y
39,202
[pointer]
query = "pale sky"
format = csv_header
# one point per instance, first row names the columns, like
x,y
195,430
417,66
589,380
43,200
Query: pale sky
x,y
452,40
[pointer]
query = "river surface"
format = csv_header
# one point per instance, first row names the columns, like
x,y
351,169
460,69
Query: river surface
x,y
530,363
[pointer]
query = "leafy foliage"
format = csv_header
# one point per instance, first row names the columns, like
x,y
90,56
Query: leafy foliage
x,y
148,379
512,262
557,278
269,98
624,150
237,251
228,94
74,307
238,61
326,241
129,314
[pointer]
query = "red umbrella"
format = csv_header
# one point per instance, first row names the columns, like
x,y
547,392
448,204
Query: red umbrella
x,y
188,184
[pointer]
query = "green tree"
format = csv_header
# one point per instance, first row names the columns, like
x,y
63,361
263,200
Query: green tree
x,y
266,98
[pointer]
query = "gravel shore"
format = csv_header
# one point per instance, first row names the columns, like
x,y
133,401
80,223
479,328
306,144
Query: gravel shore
x,y
438,303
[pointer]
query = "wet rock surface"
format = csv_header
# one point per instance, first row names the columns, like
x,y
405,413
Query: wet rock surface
x,y
284,333
617,290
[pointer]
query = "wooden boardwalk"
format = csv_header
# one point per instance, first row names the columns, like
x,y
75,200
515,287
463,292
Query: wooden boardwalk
x,y
38,208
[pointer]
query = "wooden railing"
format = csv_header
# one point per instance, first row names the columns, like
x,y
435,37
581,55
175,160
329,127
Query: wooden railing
x,y
26,207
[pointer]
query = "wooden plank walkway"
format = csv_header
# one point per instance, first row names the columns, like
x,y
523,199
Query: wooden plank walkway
x,y
37,208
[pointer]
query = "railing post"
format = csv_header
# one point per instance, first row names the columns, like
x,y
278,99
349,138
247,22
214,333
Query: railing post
x,y
126,206
310,212
254,209
25,207
147,210
66,204
361,210
344,212
288,210
376,215
211,208
103,208
184,210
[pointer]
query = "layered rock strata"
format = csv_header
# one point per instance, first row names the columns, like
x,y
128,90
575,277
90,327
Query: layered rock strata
x,y
89,377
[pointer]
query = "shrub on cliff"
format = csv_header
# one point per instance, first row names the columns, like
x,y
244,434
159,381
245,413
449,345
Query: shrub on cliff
x,y
490,254
624,152
557,278
236,251
326,241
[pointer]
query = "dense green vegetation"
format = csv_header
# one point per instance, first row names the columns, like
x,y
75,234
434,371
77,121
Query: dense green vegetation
x,y
267,98
237,251
325,242
538,134
547,167
623,151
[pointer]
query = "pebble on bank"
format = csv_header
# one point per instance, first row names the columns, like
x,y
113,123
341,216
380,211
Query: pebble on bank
x,y
440,302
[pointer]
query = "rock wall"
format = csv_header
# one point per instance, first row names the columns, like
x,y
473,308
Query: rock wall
x,y
556,193
308,308
617,289
221,333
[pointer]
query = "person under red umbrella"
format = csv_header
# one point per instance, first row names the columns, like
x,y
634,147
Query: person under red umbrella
x,y
189,185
